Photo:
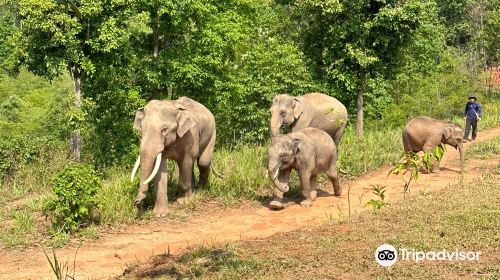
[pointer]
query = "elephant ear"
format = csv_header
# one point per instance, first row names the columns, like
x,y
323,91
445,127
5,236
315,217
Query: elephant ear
x,y
185,122
297,108
139,116
296,145
448,132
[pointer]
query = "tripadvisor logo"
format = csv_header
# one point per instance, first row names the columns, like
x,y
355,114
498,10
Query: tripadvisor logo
x,y
386,255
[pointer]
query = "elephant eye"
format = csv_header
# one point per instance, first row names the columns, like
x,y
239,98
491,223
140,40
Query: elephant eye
x,y
282,113
282,156
164,129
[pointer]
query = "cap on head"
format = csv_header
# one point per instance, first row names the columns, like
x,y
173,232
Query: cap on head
x,y
472,96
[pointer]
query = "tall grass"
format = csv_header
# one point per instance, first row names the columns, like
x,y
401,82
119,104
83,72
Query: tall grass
x,y
244,172
375,149
116,198
484,149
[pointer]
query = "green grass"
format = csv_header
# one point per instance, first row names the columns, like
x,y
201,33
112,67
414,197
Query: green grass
x,y
244,172
20,228
464,217
376,149
484,149
116,199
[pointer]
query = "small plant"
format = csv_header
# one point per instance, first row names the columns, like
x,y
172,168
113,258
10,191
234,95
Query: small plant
x,y
412,162
75,189
379,191
59,268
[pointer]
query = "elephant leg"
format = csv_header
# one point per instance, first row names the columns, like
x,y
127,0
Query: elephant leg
x,y
406,142
160,189
338,136
305,184
277,202
312,183
434,163
204,173
185,177
334,178
205,162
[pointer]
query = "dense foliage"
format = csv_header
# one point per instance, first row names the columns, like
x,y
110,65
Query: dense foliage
x,y
402,57
75,188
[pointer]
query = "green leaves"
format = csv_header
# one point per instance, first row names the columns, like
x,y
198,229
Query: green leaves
x,y
379,191
439,152
75,188
413,163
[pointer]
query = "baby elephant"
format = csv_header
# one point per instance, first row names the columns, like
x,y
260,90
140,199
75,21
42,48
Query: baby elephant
x,y
309,151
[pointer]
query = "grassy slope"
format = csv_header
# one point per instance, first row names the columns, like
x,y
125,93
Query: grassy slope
x,y
463,217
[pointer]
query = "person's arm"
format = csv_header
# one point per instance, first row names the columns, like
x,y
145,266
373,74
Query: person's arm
x,y
479,111
465,110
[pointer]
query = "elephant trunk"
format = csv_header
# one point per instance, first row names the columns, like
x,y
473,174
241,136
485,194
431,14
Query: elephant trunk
x,y
276,122
461,151
147,161
274,175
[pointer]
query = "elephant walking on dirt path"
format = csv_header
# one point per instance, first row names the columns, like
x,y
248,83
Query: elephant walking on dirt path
x,y
182,130
425,134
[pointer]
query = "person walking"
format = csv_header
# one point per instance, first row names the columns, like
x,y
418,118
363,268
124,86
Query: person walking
x,y
472,114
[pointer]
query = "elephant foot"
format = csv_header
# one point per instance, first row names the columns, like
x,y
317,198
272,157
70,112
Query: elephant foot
x,y
337,193
140,196
160,212
314,194
183,200
276,205
306,203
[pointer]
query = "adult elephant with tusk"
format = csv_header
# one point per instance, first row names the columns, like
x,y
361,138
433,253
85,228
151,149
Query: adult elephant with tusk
x,y
425,134
182,130
310,110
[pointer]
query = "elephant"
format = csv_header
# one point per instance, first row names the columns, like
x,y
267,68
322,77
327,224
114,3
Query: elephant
x,y
310,110
310,151
182,130
425,134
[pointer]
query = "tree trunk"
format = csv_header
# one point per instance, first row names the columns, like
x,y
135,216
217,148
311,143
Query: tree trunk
x,y
156,23
76,141
359,105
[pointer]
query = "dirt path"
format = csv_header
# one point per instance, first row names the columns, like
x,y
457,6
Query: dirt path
x,y
110,255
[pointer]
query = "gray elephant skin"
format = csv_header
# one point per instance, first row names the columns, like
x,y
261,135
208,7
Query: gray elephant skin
x,y
182,130
310,110
310,151
425,134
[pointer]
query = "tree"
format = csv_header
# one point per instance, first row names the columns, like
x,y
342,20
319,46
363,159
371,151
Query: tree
x,y
69,35
354,43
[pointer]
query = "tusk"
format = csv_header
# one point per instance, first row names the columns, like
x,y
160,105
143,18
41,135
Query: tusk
x,y
155,169
136,166
276,174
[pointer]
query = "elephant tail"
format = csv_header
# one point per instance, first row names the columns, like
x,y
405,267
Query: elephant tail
x,y
218,174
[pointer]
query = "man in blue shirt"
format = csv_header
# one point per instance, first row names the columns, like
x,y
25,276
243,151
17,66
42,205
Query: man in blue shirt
x,y
472,114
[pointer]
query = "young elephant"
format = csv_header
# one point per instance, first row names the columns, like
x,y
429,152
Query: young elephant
x,y
310,151
182,130
425,134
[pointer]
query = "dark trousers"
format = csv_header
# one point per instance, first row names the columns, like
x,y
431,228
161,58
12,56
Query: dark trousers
x,y
468,124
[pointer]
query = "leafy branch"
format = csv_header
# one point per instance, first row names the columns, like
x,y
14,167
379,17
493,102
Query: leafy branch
x,y
411,162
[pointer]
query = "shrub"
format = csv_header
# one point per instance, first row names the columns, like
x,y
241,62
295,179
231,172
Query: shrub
x,y
75,189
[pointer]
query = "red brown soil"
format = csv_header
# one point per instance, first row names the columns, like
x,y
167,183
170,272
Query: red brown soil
x,y
110,255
